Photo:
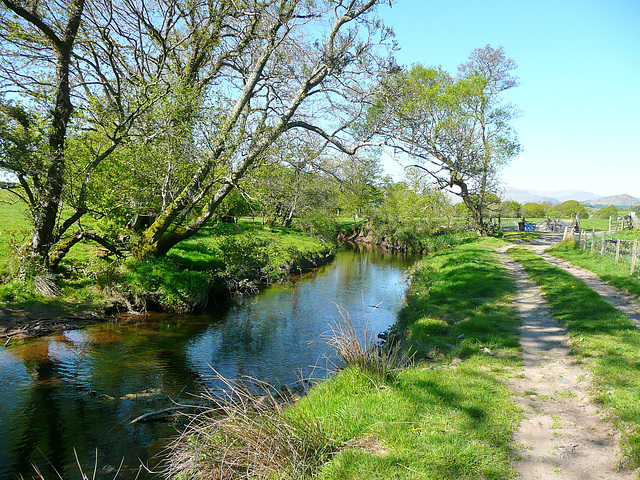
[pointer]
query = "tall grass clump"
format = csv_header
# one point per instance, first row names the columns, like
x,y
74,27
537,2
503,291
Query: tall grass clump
x,y
361,350
249,432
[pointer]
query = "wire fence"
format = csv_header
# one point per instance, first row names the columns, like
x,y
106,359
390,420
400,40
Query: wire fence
x,y
620,252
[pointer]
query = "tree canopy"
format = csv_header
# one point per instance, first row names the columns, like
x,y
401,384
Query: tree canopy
x,y
456,128
164,106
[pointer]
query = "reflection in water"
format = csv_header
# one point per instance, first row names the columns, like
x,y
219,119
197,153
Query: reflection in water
x,y
81,389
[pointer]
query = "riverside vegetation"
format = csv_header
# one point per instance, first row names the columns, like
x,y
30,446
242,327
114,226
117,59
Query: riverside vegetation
x,y
223,258
434,406
445,414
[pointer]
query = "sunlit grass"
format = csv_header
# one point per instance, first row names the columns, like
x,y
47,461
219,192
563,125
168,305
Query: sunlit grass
x,y
437,419
448,415
239,256
616,274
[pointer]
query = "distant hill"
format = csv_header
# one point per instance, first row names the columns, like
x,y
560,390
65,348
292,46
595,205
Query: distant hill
x,y
616,200
536,196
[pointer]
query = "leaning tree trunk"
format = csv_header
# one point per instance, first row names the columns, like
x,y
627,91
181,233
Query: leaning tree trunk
x,y
47,202
474,208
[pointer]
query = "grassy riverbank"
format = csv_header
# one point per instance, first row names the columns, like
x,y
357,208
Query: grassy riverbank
x,y
601,337
446,415
223,257
405,238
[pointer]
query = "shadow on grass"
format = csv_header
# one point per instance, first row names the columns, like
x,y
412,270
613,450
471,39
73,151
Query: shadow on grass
x,y
464,289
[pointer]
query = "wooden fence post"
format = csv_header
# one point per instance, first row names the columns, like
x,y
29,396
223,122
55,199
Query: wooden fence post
x,y
602,247
584,244
634,256
593,241
617,251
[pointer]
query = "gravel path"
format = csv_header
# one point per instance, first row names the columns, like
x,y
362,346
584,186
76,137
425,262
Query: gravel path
x,y
563,434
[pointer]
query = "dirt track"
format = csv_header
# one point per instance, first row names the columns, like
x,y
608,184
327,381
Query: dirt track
x,y
564,435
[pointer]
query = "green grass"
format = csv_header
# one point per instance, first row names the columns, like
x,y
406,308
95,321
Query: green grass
x,y
437,419
14,229
241,256
628,234
602,337
592,222
607,270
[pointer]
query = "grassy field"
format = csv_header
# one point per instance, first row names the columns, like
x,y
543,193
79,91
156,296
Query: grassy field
x,y
447,415
603,338
599,224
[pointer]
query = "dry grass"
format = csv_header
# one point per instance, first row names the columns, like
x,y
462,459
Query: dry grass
x,y
248,433
83,475
363,351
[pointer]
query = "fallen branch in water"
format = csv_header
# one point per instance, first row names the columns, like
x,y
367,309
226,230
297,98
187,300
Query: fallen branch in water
x,y
159,412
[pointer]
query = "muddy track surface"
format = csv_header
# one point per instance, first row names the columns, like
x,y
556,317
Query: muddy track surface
x,y
564,435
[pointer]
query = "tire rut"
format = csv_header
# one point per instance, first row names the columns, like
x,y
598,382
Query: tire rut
x,y
621,300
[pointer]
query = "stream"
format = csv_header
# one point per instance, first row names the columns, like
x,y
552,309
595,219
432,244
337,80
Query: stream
x,y
76,392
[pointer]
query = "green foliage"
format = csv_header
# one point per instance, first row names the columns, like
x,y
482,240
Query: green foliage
x,y
534,210
224,256
441,322
232,257
456,128
320,224
415,238
617,275
607,212
443,421
510,209
569,209
162,281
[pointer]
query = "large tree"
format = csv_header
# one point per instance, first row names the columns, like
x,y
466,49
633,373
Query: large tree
x,y
454,128
76,78
184,96
304,67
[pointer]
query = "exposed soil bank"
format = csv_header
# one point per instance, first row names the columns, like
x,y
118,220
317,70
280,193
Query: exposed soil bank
x,y
29,323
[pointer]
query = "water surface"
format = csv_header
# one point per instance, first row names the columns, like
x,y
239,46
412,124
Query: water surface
x,y
81,389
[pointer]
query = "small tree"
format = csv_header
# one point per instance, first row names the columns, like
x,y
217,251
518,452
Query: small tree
x,y
610,211
510,209
456,129
534,210
569,209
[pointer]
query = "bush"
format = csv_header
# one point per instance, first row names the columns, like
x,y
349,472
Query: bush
x,y
319,224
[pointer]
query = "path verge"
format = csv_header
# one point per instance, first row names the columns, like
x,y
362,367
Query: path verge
x,y
621,300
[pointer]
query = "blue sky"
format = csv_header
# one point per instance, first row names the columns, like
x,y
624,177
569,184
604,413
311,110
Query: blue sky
x,y
579,69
